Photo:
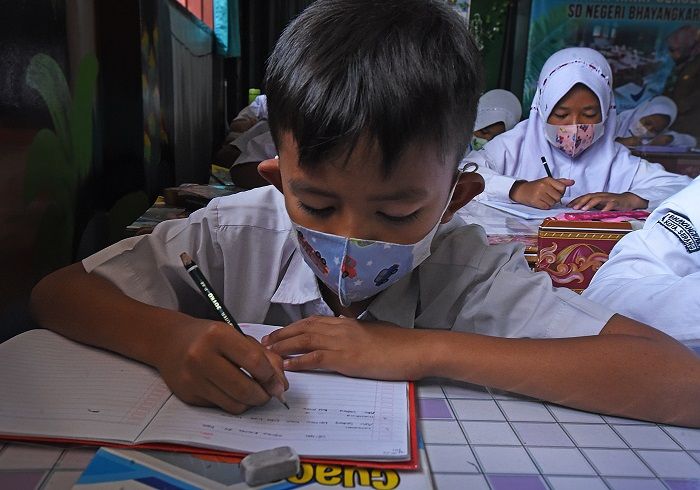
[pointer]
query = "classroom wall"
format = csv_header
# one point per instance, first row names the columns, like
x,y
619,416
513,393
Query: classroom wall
x,y
122,99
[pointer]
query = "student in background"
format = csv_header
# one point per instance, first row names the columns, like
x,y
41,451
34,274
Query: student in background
x,y
572,125
683,84
498,111
355,247
248,143
648,123
653,275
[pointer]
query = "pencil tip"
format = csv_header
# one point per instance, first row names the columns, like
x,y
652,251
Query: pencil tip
x,y
285,404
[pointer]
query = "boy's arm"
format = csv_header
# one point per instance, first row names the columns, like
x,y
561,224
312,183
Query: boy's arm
x,y
199,359
629,369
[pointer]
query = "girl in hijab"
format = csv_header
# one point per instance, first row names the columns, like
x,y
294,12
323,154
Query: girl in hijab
x,y
498,111
648,123
572,128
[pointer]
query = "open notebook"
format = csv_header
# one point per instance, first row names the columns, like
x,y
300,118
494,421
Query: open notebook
x,y
528,212
56,389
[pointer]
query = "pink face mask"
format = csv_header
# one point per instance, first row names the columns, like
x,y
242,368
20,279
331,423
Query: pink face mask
x,y
573,139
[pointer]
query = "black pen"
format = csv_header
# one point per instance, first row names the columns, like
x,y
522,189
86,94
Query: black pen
x,y
204,286
546,167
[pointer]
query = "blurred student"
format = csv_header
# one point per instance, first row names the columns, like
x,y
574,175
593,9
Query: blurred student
x,y
683,84
572,126
648,124
499,111
248,143
355,249
653,275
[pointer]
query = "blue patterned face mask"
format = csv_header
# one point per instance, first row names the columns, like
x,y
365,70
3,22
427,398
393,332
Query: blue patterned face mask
x,y
356,269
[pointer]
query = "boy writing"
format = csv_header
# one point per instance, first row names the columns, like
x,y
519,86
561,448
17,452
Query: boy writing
x,y
368,104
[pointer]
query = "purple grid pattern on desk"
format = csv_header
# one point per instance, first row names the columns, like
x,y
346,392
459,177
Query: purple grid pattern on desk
x,y
480,438
27,466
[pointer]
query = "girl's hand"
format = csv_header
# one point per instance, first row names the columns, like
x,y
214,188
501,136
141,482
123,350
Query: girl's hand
x,y
376,350
629,141
542,193
609,201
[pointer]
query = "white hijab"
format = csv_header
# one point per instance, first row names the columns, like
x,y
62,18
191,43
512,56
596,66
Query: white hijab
x,y
658,105
605,166
498,105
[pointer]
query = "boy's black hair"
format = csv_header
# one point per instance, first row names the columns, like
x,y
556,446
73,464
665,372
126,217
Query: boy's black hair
x,y
397,71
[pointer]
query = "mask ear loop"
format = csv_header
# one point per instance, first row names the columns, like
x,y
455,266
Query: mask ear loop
x,y
468,168
341,293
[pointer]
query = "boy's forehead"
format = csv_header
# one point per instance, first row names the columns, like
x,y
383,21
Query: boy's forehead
x,y
366,158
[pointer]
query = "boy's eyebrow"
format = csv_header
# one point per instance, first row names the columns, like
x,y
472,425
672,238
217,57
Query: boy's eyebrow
x,y
412,193
300,186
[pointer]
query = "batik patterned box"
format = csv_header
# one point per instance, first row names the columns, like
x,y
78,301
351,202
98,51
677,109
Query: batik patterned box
x,y
572,251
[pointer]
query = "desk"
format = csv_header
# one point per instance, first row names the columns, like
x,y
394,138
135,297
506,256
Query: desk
x,y
477,438
502,227
680,162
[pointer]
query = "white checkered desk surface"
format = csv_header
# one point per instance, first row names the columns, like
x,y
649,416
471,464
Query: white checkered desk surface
x,y
478,438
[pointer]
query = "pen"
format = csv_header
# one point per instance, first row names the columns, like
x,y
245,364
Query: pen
x,y
546,167
204,286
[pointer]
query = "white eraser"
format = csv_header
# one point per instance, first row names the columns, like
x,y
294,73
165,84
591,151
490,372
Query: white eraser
x,y
270,465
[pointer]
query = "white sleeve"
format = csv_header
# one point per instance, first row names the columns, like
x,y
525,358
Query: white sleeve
x,y
148,267
509,300
653,278
681,139
653,183
497,186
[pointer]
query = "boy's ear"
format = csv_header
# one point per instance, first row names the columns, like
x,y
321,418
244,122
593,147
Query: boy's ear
x,y
270,171
469,185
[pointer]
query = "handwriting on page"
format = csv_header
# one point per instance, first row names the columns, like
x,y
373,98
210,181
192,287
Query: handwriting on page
x,y
327,412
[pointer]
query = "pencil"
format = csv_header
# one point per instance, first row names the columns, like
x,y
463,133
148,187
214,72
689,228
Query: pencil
x,y
196,274
546,167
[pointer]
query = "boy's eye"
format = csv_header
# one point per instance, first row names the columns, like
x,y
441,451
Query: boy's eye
x,y
398,219
316,211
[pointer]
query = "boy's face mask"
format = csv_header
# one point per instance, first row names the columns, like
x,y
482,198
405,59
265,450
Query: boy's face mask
x,y
356,269
478,143
573,139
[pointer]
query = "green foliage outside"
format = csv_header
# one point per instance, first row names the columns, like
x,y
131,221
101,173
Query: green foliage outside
x,y
59,160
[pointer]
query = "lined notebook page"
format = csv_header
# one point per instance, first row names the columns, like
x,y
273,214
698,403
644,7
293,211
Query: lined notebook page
x,y
528,212
329,416
54,387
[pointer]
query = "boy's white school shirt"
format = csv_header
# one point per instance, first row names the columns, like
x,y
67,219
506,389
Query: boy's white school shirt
x,y
653,275
243,245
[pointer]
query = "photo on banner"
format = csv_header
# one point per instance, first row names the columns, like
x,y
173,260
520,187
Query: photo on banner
x,y
653,48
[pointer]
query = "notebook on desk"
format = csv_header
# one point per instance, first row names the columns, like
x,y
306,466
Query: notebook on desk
x,y
65,391
528,212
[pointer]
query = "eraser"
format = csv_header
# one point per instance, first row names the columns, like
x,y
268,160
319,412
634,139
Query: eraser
x,y
270,465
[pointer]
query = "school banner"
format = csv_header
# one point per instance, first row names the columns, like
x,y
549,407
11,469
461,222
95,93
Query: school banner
x,y
652,46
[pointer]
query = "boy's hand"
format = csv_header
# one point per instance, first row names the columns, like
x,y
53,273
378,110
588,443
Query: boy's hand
x,y
202,361
541,193
376,350
609,201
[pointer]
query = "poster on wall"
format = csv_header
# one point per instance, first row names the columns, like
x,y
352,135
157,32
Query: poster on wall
x,y
653,47
462,6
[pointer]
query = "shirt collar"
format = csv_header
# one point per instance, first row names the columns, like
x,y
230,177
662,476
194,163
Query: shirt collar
x,y
298,285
